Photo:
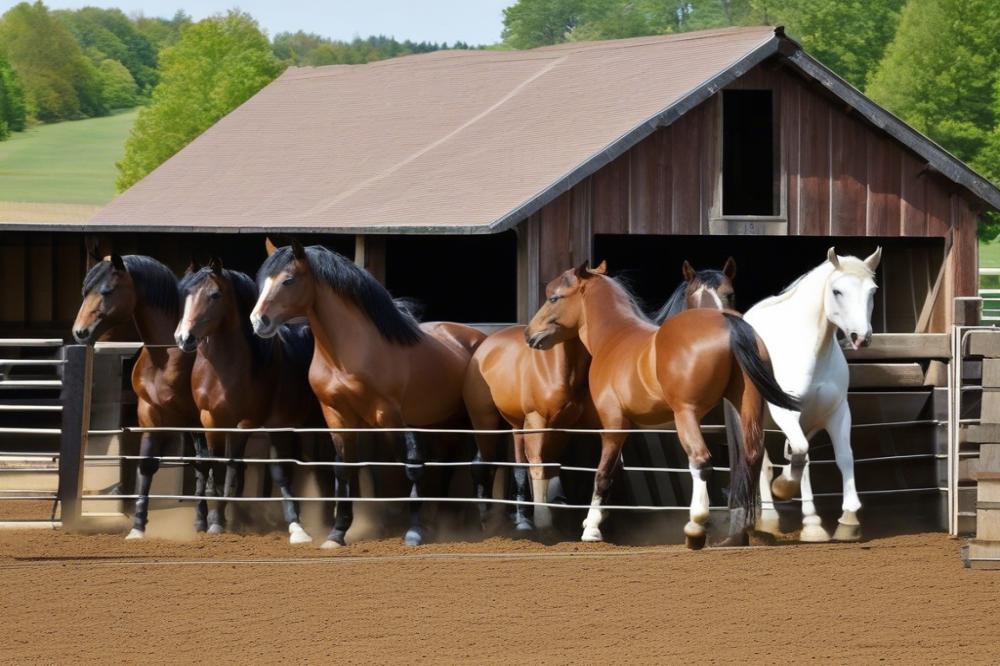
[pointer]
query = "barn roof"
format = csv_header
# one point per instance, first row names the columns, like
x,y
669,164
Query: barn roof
x,y
457,141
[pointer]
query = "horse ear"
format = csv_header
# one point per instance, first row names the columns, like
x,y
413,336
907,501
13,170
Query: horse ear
x,y
216,265
298,251
117,262
602,268
583,270
269,246
831,256
687,270
193,265
729,269
93,253
872,261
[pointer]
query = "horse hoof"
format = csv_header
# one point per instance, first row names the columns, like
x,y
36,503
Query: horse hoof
x,y
814,534
297,535
784,489
136,533
740,540
847,532
592,534
696,542
524,525
200,526
414,537
330,544
216,529
768,522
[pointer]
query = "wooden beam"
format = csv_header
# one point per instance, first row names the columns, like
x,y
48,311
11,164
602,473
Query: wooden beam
x,y
369,254
76,383
886,375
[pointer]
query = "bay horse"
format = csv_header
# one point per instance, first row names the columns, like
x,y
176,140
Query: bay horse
x,y
799,326
118,289
373,364
240,380
644,375
536,389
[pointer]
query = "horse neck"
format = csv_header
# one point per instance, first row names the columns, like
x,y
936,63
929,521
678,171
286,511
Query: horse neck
x,y
607,312
154,325
344,335
804,309
229,343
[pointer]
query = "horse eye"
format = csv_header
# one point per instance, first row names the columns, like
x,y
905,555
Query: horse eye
x,y
288,280
107,291
836,292
216,295
554,297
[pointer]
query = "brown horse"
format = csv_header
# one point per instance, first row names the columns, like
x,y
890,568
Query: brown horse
x,y
373,365
139,288
242,381
643,375
536,389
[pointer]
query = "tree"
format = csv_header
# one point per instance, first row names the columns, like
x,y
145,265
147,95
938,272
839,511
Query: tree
x,y
849,36
108,33
531,23
59,81
216,66
13,114
161,32
118,88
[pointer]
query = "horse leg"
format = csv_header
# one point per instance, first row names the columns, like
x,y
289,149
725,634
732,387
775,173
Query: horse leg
x,y
214,483
281,447
522,512
768,519
786,486
483,472
149,448
414,459
345,485
538,449
812,524
839,428
611,454
235,467
197,440
699,462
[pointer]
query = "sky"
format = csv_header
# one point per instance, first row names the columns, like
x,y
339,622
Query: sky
x,y
471,21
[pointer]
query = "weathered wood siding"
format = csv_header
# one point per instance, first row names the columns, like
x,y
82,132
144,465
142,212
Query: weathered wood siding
x,y
841,177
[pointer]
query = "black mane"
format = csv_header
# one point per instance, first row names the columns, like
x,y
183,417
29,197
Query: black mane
x,y
245,290
356,284
677,303
155,283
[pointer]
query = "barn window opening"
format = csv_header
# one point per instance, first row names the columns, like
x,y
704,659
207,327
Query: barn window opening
x,y
749,167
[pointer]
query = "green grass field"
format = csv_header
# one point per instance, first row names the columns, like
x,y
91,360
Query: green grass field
x,y
989,254
69,162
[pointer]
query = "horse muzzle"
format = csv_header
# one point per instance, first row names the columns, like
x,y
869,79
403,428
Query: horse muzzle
x,y
186,342
857,341
263,326
542,340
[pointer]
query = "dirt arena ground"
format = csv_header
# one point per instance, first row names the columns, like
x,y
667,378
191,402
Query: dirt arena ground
x,y
230,599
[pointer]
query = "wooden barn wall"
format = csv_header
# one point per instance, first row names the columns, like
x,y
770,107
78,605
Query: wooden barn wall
x,y
842,177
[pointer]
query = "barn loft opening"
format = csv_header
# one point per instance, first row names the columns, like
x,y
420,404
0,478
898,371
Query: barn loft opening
x,y
749,168
767,264
470,279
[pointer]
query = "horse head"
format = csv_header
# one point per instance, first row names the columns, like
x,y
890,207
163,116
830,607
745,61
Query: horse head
x,y
208,300
287,288
109,299
849,296
560,316
710,288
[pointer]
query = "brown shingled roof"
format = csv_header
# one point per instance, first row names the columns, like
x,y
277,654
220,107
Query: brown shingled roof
x,y
447,141
457,141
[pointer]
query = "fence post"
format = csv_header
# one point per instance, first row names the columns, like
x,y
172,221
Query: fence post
x,y
75,398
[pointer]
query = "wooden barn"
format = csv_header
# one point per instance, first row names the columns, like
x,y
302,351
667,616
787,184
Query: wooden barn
x,y
468,179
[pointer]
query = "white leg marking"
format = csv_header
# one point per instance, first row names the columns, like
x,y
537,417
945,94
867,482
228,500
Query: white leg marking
x,y
540,493
699,495
592,523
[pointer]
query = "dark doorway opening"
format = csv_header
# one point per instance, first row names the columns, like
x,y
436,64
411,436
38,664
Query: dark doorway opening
x,y
749,174
471,279
651,265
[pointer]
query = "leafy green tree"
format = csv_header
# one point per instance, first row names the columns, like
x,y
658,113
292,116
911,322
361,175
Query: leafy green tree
x,y
161,32
118,88
303,48
531,23
59,81
108,33
216,66
13,113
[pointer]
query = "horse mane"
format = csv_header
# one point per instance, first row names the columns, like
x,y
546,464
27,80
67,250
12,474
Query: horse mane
x,y
347,279
622,286
848,264
676,304
245,292
155,283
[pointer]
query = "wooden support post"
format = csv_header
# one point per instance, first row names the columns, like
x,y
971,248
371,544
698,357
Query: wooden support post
x,y
76,382
369,254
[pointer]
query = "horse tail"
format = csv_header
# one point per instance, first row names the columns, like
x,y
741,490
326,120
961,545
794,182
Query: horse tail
x,y
744,343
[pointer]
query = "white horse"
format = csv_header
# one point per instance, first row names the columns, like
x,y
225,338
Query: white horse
x,y
799,328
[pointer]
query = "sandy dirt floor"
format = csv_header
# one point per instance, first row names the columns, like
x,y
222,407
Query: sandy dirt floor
x,y
231,599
